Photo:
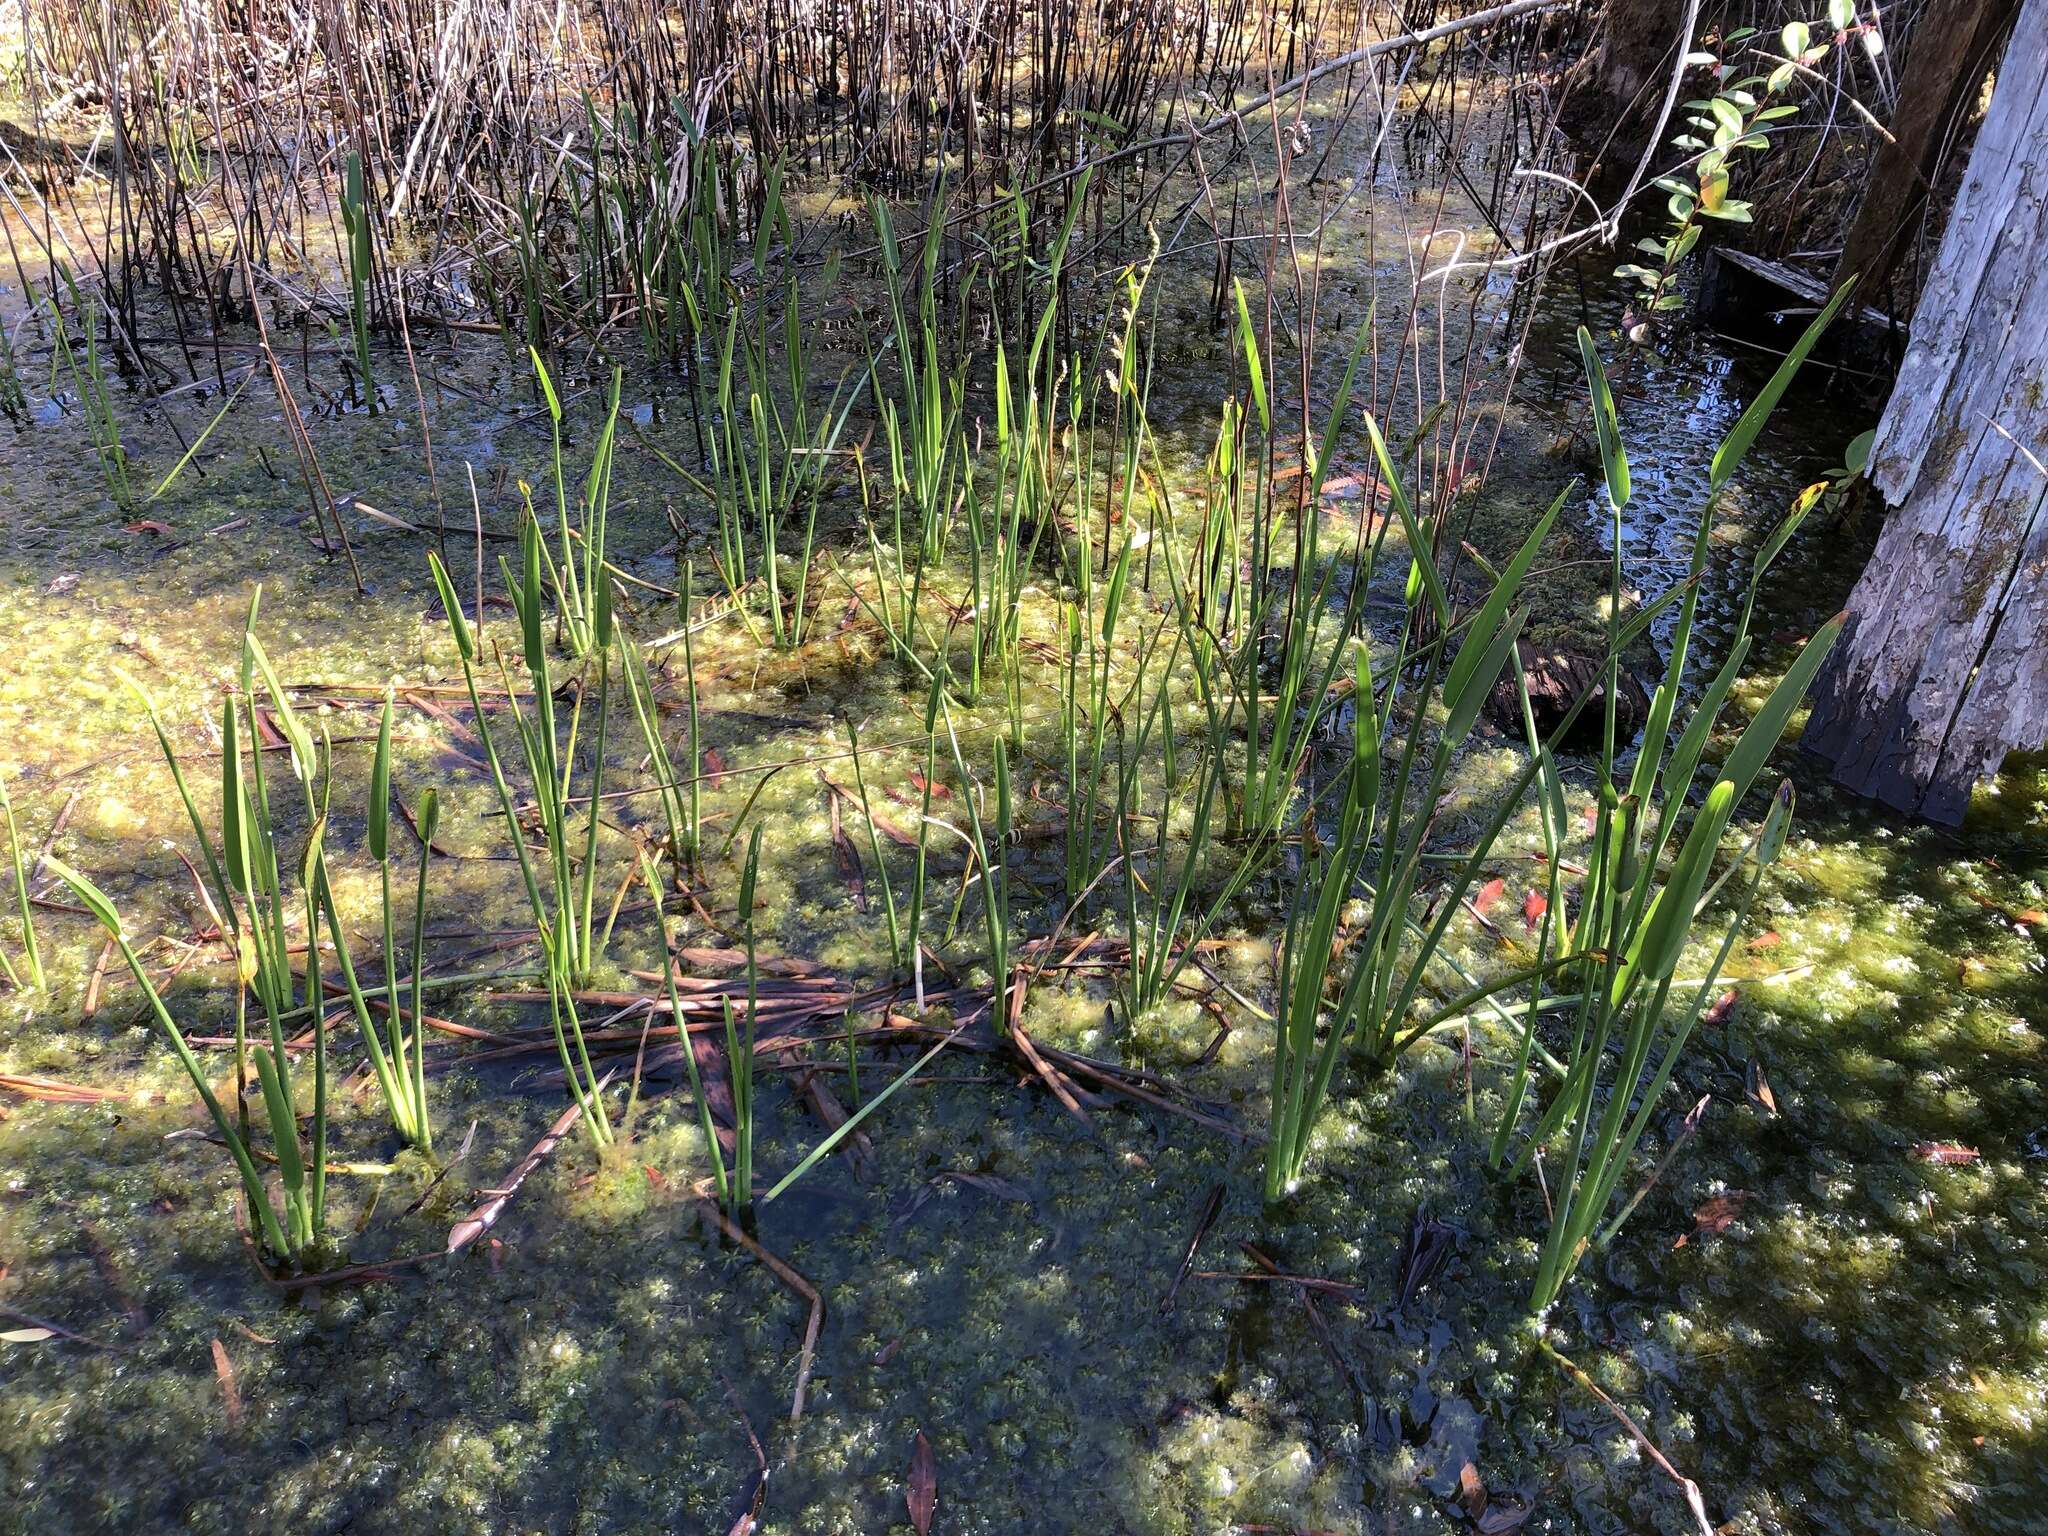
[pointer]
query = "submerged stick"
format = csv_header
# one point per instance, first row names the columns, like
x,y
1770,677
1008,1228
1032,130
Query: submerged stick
x,y
1690,1488
485,1216
795,1282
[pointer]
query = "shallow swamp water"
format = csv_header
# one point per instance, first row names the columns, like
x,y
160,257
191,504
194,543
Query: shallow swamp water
x,y
1829,1311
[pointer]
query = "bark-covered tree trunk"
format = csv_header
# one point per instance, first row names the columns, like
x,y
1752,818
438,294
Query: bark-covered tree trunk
x,y
1945,668
1954,43
1619,86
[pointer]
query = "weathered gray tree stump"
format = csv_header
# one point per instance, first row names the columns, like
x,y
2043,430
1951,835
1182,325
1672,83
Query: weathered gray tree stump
x,y
1945,667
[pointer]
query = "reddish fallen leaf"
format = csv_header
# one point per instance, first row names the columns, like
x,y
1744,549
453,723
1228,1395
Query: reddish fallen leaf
x,y
887,1352
1723,1006
714,765
655,1177
1471,1491
939,791
1534,905
1591,817
1766,940
150,525
1951,1153
1484,898
230,1394
1716,1216
921,1493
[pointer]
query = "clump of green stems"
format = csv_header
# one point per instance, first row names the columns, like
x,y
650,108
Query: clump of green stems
x,y
649,220
31,951
1377,809
1278,738
898,956
88,377
247,879
1006,527
13,397
991,858
1622,949
923,429
407,1072
1630,930
927,449
579,578
739,1045
297,1236
1156,910
1088,705
681,795
766,457
651,877
246,885
355,224
564,908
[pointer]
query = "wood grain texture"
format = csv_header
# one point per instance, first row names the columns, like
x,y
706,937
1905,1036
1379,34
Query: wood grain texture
x,y
1946,667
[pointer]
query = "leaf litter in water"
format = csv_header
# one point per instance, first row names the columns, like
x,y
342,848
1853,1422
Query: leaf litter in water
x,y
921,1486
1715,1216
1489,1516
1757,1088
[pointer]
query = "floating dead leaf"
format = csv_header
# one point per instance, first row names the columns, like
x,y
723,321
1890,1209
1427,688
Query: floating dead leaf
x,y
921,1489
27,1335
1757,1087
1949,1153
1471,1491
230,1394
1534,905
1768,939
149,525
714,765
1715,1217
920,783
1487,894
1722,1007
